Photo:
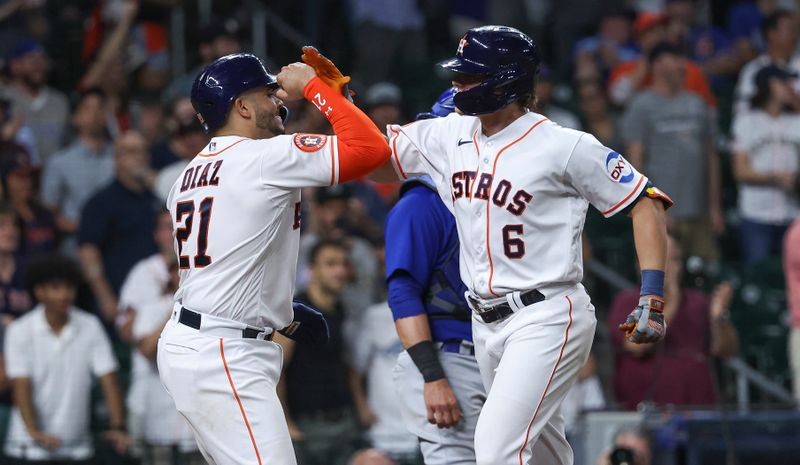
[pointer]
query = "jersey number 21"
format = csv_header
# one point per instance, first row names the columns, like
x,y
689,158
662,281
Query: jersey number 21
x,y
182,234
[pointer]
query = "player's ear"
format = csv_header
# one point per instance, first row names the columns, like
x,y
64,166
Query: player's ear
x,y
243,106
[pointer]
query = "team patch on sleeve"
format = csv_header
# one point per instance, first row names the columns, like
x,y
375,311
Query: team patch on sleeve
x,y
310,142
618,168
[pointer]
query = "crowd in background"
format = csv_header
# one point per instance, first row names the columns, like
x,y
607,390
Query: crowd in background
x,y
95,126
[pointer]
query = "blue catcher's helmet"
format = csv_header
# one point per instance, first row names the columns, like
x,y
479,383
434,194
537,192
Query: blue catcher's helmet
x,y
506,59
226,78
442,107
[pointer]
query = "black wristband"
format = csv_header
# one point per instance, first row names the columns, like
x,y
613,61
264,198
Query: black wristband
x,y
426,358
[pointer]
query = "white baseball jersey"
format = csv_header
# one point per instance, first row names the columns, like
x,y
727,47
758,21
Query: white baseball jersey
x,y
519,197
236,213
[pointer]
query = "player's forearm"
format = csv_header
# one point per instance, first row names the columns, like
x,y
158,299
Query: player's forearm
x,y
23,400
113,396
413,330
362,147
650,233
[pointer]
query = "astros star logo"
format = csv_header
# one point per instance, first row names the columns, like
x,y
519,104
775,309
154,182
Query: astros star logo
x,y
310,142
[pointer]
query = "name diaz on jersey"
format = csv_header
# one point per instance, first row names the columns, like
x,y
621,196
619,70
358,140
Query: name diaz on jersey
x,y
463,183
201,175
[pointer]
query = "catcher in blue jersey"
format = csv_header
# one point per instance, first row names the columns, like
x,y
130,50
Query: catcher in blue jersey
x,y
437,377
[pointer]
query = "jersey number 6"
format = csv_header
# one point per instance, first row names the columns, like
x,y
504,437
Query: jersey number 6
x,y
182,234
513,247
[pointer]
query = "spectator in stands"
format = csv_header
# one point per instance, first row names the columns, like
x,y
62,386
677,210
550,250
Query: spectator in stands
x,y
322,395
329,219
14,297
117,223
45,110
791,267
383,102
386,32
74,174
217,39
147,297
650,29
609,47
16,139
634,440
52,355
766,162
678,369
186,140
745,25
706,45
780,31
39,231
545,88
670,136
598,118
150,119
107,69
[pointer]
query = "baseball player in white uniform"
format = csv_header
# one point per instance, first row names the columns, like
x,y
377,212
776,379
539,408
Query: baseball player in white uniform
x,y
519,187
236,216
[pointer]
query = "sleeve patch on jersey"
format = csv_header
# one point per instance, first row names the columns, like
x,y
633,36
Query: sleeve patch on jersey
x,y
618,168
310,142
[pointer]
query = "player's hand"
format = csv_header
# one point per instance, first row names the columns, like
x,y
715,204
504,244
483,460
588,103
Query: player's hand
x,y
327,71
293,79
646,322
120,440
45,440
443,410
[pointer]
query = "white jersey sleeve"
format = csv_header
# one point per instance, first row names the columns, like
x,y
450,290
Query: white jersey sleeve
x,y
300,160
602,176
417,148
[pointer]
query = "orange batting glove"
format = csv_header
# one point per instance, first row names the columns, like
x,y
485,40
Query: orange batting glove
x,y
327,71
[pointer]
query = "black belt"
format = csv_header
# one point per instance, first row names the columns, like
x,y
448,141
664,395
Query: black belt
x,y
503,309
192,320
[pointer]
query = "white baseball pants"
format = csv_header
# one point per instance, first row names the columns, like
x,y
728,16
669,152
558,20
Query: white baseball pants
x,y
225,387
528,362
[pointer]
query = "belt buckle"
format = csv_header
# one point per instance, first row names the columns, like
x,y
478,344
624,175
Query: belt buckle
x,y
478,306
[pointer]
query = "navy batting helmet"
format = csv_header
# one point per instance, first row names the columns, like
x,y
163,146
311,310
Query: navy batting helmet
x,y
442,107
226,78
506,59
